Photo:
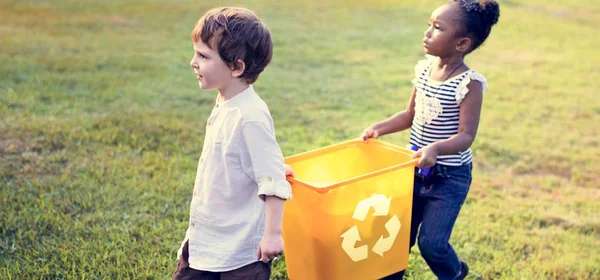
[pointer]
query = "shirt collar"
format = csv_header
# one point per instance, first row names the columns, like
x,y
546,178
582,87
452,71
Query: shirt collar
x,y
237,98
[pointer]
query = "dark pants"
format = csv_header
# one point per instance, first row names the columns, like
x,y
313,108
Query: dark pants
x,y
437,200
253,271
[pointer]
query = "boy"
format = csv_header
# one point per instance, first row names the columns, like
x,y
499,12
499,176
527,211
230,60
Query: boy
x,y
236,209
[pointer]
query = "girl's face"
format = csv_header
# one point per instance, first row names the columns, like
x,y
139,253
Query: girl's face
x,y
440,38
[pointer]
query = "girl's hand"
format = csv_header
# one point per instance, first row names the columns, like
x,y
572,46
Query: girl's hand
x,y
370,132
428,155
270,247
288,170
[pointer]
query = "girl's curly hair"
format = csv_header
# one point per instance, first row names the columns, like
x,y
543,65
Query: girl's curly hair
x,y
477,18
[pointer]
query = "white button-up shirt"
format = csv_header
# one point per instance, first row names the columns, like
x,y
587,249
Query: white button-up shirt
x,y
241,163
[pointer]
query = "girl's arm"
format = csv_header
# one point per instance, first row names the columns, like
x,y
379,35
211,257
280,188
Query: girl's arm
x,y
398,122
470,110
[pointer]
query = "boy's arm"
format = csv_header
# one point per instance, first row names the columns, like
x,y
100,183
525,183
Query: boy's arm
x,y
274,215
271,245
265,165
398,122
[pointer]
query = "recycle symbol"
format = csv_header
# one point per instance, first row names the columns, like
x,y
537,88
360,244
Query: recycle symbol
x,y
381,204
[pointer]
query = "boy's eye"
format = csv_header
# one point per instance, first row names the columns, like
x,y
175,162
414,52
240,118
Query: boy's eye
x,y
201,56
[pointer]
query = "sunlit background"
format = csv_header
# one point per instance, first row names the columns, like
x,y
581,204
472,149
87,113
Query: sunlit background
x,y
102,123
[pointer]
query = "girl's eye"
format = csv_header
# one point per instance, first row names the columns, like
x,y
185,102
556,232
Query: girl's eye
x,y
434,26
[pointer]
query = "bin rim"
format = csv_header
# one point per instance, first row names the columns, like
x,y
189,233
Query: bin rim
x,y
343,145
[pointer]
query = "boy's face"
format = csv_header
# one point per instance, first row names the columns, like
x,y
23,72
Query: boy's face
x,y
211,71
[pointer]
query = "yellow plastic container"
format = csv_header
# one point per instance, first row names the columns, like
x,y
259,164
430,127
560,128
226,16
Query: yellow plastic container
x,y
349,217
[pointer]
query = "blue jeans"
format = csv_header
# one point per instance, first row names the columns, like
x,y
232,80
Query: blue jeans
x,y
437,200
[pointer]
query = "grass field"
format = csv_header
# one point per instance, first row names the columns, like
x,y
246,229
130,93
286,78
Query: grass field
x,y
102,123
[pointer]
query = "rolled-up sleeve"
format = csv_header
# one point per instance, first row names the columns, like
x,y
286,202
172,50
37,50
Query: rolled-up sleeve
x,y
263,160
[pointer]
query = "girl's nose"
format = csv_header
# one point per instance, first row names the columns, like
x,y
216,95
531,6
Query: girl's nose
x,y
427,32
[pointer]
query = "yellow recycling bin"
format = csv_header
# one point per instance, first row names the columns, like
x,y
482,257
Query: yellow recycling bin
x,y
349,217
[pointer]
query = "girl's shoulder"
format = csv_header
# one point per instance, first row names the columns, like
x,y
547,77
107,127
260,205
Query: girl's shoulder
x,y
463,86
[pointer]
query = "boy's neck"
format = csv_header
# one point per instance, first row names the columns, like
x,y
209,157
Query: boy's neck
x,y
232,90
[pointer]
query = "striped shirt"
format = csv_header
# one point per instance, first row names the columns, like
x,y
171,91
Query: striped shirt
x,y
437,109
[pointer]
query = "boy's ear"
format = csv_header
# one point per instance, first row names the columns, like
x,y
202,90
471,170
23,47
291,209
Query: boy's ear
x,y
238,68
464,44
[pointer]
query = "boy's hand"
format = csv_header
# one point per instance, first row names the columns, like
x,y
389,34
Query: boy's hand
x,y
428,155
288,170
270,247
370,132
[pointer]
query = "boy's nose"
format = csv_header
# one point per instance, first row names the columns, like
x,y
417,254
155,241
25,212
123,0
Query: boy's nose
x,y
193,64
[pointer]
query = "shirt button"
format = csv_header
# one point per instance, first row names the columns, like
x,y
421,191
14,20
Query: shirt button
x,y
192,225
269,179
195,194
201,160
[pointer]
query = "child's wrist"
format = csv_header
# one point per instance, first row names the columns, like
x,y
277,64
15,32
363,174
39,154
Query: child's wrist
x,y
273,232
434,148
377,128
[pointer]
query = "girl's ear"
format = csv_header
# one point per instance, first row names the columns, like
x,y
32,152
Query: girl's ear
x,y
238,68
464,44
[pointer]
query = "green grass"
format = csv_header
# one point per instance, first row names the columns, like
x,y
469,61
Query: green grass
x,y
101,126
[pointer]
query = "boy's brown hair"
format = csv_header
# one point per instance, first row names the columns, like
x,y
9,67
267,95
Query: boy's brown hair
x,y
236,33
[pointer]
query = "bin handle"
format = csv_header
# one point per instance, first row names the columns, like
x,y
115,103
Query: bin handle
x,y
293,180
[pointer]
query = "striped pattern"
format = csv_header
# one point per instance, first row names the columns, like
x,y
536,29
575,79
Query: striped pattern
x,y
432,124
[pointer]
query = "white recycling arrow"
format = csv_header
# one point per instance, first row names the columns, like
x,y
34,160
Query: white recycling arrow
x,y
385,244
350,237
379,202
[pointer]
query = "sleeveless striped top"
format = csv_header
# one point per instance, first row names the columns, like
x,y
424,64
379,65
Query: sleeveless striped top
x,y
437,108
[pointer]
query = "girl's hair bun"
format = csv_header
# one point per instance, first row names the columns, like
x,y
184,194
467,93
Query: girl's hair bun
x,y
490,10
478,17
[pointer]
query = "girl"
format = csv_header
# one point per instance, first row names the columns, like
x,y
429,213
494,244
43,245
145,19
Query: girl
x,y
443,115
